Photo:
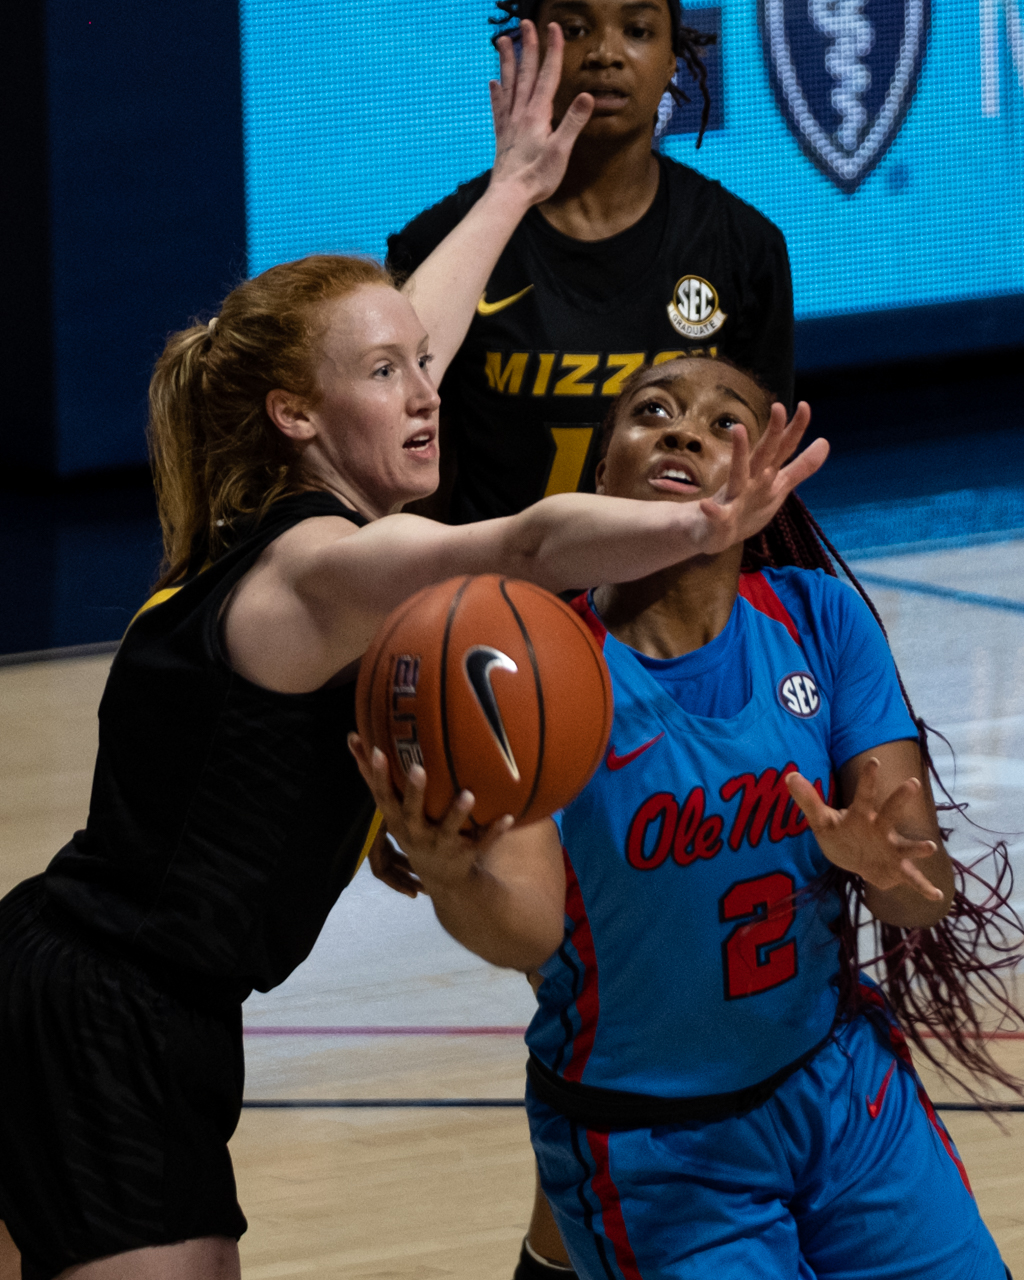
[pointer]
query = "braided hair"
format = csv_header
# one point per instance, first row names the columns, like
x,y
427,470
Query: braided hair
x,y
687,43
939,981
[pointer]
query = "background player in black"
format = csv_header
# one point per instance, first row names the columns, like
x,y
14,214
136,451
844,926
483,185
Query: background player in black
x,y
226,814
633,258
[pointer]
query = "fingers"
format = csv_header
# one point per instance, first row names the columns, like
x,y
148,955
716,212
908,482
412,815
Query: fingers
x,y
412,801
867,788
377,776
780,439
804,464
358,748
919,881
489,835
551,71
458,811
768,449
506,64
793,431
527,70
811,805
898,802
499,107
392,867
739,467
799,422
573,122
503,89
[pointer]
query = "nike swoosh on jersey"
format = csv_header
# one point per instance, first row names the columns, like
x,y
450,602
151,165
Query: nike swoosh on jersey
x,y
875,1107
619,762
485,308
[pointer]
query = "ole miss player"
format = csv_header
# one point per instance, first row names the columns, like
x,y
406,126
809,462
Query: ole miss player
x,y
711,1095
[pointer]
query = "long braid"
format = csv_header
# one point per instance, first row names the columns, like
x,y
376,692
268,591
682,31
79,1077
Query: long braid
x,y
937,980
687,44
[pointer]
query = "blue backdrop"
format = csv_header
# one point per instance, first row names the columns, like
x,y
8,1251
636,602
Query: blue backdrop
x,y
887,141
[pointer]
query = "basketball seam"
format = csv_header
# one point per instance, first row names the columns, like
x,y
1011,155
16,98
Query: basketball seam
x,y
449,623
540,695
602,671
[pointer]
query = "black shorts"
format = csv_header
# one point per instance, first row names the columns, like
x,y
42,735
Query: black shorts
x,y
117,1100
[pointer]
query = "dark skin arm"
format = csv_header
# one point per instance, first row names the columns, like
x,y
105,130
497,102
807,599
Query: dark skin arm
x,y
500,893
390,865
888,834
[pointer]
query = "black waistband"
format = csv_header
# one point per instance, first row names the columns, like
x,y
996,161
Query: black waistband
x,y
609,1110
199,991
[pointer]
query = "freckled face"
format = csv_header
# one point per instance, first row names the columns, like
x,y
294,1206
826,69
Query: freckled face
x,y
376,420
673,431
618,50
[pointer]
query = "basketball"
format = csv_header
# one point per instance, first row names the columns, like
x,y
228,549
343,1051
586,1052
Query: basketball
x,y
492,685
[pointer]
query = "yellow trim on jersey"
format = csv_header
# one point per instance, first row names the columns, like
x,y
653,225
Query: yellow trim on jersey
x,y
371,835
157,598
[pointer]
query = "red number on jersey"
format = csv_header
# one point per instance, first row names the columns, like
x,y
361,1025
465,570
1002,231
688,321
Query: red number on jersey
x,y
751,962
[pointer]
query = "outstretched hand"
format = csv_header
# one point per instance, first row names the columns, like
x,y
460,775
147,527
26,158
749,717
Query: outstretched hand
x,y
528,152
438,853
864,838
758,483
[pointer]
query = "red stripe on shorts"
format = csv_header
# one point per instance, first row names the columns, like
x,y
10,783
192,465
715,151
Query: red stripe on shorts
x,y
588,1001
611,1206
755,589
902,1050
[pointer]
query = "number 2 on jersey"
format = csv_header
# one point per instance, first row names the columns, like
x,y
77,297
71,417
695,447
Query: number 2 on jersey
x,y
766,909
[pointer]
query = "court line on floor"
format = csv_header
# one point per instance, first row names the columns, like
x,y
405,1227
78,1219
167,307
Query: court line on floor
x,y
483,1031
384,1103
392,1104
925,546
59,655
944,593
384,1031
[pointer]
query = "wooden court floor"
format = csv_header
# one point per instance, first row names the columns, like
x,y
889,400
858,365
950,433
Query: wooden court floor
x,y
408,1194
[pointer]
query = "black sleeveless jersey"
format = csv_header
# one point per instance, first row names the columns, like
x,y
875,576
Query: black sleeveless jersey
x,y
225,818
564,322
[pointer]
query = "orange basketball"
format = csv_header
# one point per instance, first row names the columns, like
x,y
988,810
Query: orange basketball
x,y
492,685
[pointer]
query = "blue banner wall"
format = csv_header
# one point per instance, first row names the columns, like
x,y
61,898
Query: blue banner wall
x,y
885,137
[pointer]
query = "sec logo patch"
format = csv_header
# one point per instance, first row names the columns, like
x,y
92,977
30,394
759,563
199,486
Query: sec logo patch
x,y
694,310
798,694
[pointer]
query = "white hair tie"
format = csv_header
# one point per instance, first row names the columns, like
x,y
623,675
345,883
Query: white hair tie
x,y
211,324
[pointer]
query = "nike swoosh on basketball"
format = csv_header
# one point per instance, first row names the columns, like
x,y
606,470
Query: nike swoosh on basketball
x,y
485,308
619,762
875,1107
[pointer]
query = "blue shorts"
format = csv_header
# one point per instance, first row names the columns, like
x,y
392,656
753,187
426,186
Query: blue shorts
x,y
846,1173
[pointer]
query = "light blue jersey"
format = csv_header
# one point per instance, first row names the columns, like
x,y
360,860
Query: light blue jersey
x,y
698,957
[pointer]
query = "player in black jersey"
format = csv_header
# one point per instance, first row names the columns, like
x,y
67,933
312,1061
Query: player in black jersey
x,y
634,258
226,813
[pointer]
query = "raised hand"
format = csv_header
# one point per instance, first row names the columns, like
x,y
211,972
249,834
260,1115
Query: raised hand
x,y
528,152
758,483
864,838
